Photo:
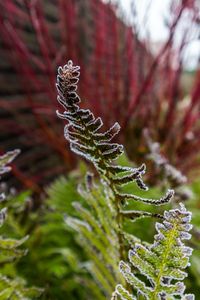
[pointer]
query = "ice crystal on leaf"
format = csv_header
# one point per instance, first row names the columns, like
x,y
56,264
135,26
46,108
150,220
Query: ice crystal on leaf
x,y
163,263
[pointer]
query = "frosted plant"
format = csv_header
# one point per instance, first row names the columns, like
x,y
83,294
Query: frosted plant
x,y
100,224
161,163
97,234
82,132
9,249
162,264
5,159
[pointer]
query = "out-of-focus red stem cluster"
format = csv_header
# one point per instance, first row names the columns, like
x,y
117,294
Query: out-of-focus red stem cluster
x,y
120,79
163,104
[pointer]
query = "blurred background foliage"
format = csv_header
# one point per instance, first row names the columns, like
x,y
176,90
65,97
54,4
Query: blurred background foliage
x,y
122,78
150,93
56,259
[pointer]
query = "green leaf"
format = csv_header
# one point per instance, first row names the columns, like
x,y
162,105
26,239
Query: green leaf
x,y
163,262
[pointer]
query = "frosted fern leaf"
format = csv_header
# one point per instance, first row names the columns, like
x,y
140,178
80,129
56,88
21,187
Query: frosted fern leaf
x,y
86,139
163,263
6,159
161,162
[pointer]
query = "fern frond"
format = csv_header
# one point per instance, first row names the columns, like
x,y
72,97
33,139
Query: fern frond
x,y
163,263
101,227
97,233
6,159
86,139
12,288
174,175
15,289
54,256
82,132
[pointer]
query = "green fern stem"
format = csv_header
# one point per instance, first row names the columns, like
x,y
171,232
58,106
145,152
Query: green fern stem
x,y
165,257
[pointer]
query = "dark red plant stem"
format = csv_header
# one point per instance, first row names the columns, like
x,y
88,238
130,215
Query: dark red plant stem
x,y
36,20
